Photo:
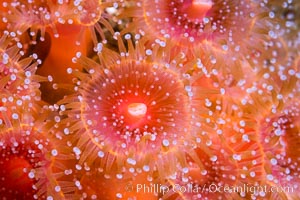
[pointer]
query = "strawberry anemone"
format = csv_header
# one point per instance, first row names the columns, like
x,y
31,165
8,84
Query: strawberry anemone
x,y
91,16
279,133
222,25
272,113
37,15
221,99
29,152
132,109
16,74
25,164
209,169
223,33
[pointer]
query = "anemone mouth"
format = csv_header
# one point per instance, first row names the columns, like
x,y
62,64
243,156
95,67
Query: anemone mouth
x,y
137,110
196,10
136,102
193,21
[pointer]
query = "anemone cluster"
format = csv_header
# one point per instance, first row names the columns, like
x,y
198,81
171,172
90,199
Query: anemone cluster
x,y
140,99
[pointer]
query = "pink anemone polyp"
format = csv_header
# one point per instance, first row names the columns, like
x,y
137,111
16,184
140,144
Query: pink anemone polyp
x,y
187,23
133,102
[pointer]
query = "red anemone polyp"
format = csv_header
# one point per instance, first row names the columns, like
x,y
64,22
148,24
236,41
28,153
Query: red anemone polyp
x,y
31,154
209,169
24,163
279,133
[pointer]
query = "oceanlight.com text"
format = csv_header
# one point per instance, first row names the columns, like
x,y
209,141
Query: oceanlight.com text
x,y
209,188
